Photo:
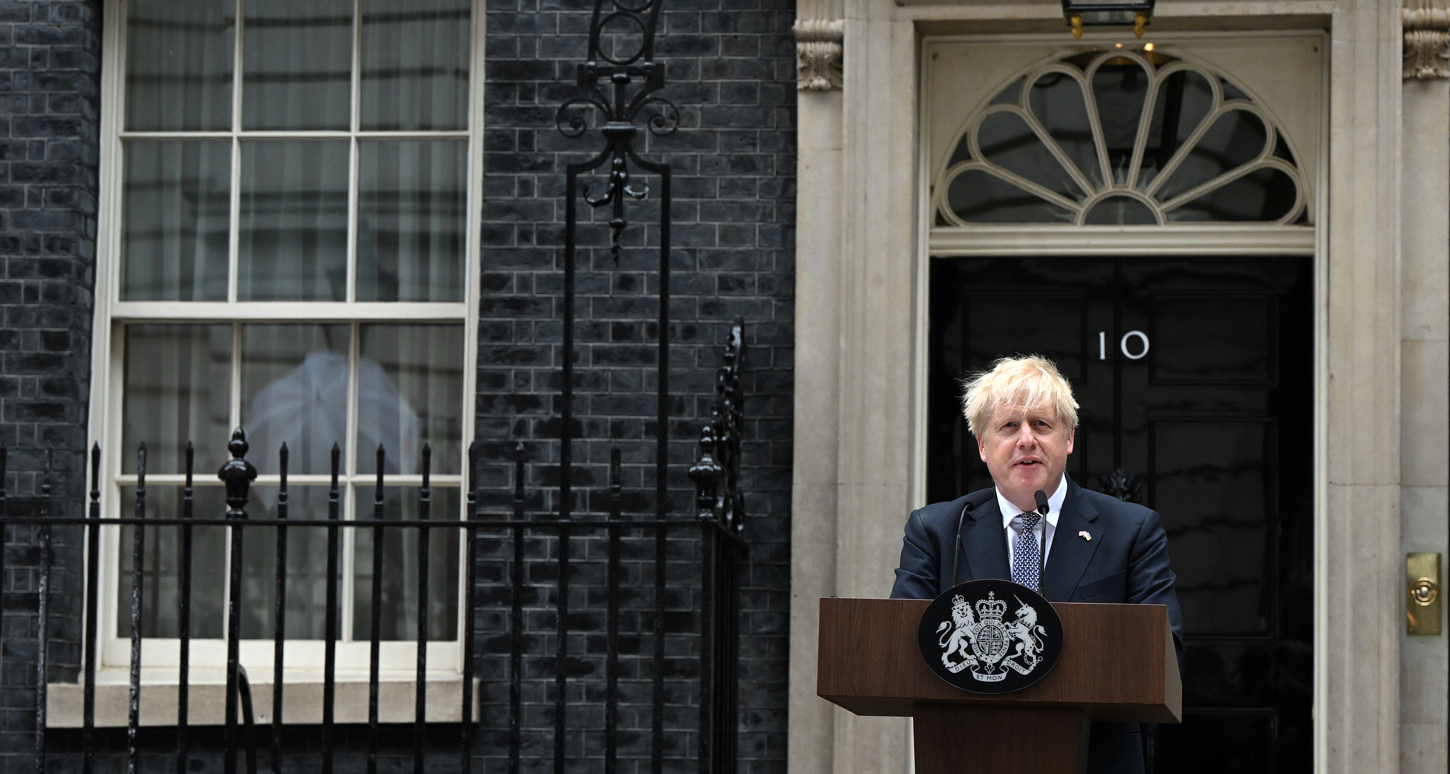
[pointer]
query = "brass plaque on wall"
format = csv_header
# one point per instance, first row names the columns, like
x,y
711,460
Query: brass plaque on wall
x,y
1422,593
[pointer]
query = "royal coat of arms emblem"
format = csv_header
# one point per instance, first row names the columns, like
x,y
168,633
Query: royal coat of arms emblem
x,y
990,636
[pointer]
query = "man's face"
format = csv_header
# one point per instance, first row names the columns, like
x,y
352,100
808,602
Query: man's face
x,y
1025,450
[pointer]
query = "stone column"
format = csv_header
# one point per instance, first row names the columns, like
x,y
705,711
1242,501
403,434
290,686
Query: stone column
x,y
1359,569
1424,359
819,31
855,255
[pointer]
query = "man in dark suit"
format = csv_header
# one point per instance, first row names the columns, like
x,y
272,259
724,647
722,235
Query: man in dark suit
x,y
1098,548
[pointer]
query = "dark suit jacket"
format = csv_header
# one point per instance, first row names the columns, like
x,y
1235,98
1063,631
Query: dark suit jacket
x,y
1126,562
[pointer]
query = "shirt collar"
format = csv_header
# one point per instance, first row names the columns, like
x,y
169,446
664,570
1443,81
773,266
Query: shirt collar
x,y
1054,505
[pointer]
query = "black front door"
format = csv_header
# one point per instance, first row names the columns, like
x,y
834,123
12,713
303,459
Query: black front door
x,y
1195,380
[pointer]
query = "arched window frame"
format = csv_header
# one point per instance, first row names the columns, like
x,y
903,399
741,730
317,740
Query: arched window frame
x,y
944,219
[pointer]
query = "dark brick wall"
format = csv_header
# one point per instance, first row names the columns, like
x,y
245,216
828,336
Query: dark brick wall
x,y
731,70
49,126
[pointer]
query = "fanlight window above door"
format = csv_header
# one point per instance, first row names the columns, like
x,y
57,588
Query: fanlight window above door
x,y
1121,138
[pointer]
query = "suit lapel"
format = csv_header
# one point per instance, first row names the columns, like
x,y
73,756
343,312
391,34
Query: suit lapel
x,y
1070,553
984,543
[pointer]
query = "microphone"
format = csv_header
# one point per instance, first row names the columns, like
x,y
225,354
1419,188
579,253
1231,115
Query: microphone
x,y
972,504
1042,508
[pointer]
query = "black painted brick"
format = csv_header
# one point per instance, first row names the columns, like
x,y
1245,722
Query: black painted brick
x,y
49,126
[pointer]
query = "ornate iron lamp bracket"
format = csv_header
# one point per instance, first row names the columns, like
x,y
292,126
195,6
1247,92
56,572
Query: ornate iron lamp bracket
x,y
618,91
619,84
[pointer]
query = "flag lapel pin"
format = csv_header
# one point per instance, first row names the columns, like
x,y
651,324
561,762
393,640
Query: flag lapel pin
x,y
1084,535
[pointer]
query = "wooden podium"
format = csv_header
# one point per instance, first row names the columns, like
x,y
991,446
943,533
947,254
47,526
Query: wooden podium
x,y
1117,664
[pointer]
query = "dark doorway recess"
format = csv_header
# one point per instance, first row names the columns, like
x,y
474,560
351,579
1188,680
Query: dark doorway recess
x,y
1195,377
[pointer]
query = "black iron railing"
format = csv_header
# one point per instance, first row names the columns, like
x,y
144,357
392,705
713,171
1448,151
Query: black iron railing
x,y
707,547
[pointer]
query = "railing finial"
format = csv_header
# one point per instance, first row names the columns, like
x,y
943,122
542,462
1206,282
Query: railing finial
x,y
238,474
717,473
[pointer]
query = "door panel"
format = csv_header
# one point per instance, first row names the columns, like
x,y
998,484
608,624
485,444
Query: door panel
x,y
1235,743
1213,478
1057,324
1207,339
1194,376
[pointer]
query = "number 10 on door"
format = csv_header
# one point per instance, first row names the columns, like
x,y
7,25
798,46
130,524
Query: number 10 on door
x,y
1141,345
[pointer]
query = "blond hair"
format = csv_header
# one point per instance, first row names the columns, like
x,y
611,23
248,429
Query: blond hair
x,y
1023,382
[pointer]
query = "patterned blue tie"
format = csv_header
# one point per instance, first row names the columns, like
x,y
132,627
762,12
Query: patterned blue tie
x,y
1025,551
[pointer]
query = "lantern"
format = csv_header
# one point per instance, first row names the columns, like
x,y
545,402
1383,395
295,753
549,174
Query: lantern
x,y
1084,13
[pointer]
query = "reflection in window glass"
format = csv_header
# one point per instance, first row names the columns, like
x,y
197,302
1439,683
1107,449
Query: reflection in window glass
x,y
979,197
1057,101
306,593
176,210
1120,211
177,389
1264,194
410,391
411,220
1007,141
179,65
1235,139
161,564
294,391
414,64
1120,91
398,613
1184,99
297,64
293,228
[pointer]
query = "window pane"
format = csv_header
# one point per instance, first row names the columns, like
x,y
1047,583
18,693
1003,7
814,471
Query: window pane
x,y
410,392
1235,139
297,64
294,390
415,64
1266,194
293,221
177,389
1008,141
401,560
306,592
177,203
161,564
1184,99
1059,103
179,65
411,220
1120,90
981,197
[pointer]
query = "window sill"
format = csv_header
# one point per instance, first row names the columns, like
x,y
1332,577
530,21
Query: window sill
x,y
303,697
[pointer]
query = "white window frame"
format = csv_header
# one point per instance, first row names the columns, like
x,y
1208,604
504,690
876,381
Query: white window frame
x,y
304,658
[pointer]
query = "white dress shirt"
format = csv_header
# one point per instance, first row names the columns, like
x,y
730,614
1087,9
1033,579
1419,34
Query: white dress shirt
x,y
1054,507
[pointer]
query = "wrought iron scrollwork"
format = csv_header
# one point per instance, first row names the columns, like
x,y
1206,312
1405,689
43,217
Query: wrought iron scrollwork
x,y
717,473
619,83
618,88
1122,485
